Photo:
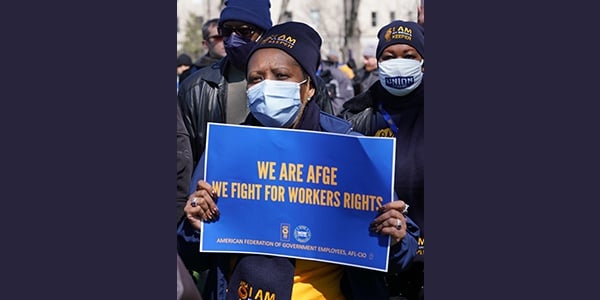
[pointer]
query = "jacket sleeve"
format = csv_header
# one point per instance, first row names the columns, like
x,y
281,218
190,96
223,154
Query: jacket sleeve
x,y
188,247
186,97
194,98
188,238
184,164
402,254
197,175
361,121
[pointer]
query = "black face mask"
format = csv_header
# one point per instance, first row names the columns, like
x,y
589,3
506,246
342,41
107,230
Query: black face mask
x,y
238,49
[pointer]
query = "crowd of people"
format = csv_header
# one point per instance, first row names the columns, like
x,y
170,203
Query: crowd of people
x,y
249,77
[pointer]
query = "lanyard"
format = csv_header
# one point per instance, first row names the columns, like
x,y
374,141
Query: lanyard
x,y
388,119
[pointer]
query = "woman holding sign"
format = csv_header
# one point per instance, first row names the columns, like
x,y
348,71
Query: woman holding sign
x,y
281,76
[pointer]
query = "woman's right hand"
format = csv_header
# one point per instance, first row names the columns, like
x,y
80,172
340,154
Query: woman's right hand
x,y
201,205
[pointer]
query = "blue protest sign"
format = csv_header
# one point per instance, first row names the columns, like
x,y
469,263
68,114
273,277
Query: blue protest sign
x,y
295,193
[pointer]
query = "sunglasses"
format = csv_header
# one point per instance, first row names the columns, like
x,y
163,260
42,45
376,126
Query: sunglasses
x,y
215,38
242,31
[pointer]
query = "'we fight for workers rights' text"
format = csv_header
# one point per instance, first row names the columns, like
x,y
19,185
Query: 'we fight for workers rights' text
x,y
292,172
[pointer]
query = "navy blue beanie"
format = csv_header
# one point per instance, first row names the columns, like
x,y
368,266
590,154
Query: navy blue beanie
x,y
254,273
255,12
298,40
400,32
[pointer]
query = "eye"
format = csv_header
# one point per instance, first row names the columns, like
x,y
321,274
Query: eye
x,y
225,31
282,76
245,31
242,31
215,38
254,79
387,56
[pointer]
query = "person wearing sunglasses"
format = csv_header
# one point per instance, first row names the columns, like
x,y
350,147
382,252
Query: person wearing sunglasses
x,y
212,42
217,93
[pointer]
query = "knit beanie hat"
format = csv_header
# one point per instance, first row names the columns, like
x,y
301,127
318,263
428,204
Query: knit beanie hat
x,y
298,40
400,32
255,12
370,50
184,59
252,274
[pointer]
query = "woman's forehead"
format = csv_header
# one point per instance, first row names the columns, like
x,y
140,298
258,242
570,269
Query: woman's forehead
x,y
399,48
273,56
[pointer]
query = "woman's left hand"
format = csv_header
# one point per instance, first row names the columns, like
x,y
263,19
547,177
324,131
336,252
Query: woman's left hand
x,y
391,221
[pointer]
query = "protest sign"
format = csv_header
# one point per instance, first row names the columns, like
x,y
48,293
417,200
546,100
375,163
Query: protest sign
x,y
296,193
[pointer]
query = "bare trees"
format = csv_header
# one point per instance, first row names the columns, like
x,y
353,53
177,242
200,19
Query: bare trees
x,y
351,30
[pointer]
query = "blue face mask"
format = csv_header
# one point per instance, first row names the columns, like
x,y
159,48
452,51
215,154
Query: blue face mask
x,y
237,49
275,103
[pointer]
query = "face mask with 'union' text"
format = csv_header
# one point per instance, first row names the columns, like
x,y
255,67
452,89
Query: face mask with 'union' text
x,y
400,76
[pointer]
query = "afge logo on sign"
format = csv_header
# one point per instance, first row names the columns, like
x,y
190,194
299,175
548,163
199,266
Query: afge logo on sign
x,y
302,233
285,232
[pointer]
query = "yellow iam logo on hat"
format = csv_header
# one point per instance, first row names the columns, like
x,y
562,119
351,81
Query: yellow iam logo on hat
x,y
247,292
281,39
398,32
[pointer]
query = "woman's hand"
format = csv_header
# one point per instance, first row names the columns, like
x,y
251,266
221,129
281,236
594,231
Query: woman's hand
x,y
201,205
391,221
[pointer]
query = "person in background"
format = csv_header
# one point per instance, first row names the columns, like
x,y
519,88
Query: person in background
x,y
185,68
212,42
279,67
351,63
333,59
339,86
217,93
368,74
393,107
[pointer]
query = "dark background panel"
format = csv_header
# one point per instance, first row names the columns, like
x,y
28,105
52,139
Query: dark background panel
x,y
511,150
88,127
